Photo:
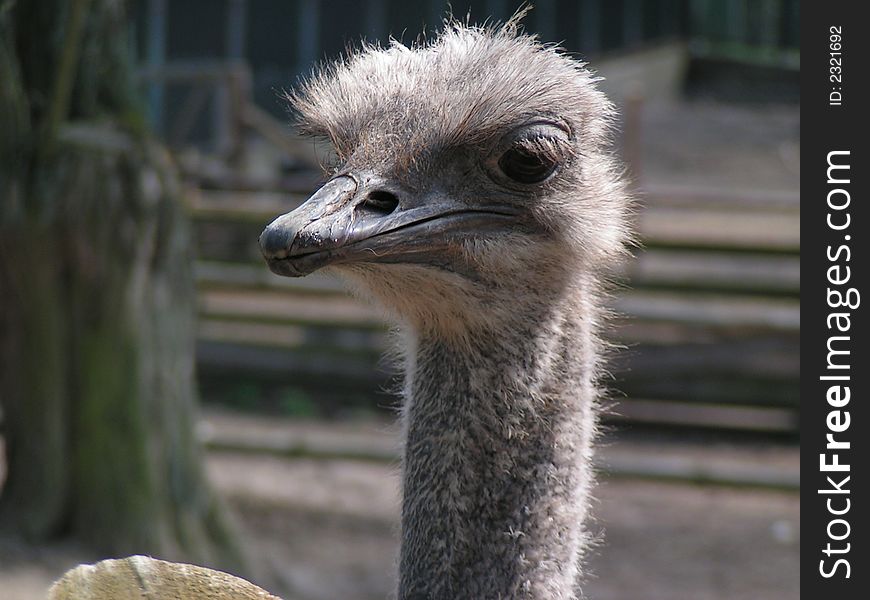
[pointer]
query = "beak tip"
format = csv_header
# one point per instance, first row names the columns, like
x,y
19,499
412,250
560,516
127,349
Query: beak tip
x,y
274,242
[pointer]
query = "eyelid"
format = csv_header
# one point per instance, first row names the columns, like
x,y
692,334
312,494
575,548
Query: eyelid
x,y
550,138
553,124
546,146
539,145
528,133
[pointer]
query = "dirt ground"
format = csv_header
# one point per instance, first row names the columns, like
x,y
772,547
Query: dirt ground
x,y
325,530
658,541
322,529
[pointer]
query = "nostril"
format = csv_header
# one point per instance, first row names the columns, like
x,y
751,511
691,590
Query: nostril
x,y
381,201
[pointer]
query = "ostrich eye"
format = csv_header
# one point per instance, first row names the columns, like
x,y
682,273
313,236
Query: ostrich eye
x,y
530,154
524,166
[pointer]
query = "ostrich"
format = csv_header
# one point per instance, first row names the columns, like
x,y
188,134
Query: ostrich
x,y
475,201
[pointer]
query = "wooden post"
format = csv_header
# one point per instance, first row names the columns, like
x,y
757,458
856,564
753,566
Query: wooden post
x,y
590,26
307,34
632,132
239,85
376,20
156,58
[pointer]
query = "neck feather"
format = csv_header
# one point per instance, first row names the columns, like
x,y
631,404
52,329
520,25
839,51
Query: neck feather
x,y
497,459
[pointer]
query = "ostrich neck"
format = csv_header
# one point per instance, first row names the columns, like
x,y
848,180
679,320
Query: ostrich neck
x,y
496,466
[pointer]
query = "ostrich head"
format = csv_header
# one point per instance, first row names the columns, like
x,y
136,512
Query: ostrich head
x,y
472,177
475,199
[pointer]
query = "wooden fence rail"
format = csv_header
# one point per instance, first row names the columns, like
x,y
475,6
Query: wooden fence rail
x,y
710,313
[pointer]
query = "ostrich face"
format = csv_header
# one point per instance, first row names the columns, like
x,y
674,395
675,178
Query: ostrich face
x,y
469,168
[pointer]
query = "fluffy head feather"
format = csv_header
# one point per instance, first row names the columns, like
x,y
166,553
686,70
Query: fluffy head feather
x,y
435,116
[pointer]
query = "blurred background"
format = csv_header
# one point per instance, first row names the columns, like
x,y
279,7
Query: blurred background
x,y
699,459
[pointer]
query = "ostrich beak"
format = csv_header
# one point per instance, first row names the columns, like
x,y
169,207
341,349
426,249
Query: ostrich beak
x,y
347,221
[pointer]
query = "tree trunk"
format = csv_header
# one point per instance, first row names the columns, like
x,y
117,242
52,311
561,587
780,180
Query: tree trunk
x,y
97,383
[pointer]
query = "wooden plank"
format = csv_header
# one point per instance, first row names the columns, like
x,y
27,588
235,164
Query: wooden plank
x,y
287,308
762,357
698,414
217,274
189,71
278,133
254,334
241,206
683,469
631,331
294,367
720,229
714,310
212,174
716,270
695,196
293,447
271,335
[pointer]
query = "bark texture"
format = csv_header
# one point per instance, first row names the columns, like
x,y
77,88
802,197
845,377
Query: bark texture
x,y
97,385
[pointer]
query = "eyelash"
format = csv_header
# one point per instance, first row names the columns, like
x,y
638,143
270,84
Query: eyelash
x,y
545,147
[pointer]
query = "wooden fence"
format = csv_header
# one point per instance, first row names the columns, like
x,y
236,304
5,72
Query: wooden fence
x,y
282,39
710,308
709,313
